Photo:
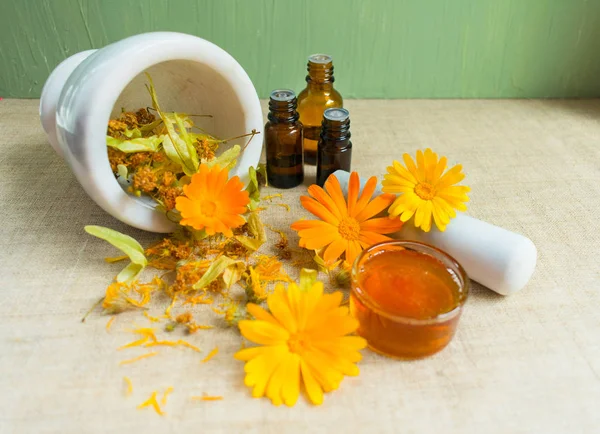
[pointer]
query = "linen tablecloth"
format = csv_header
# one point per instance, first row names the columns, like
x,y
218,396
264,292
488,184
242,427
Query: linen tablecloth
x,y
529,362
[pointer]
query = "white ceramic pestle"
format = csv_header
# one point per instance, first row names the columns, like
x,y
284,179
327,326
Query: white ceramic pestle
x,y
497,258
191,75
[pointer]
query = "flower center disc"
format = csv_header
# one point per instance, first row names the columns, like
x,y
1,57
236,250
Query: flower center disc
x,y
349,228
425,191
208,208
297,343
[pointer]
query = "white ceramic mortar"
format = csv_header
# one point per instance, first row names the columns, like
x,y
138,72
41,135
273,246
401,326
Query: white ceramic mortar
x,y
191,75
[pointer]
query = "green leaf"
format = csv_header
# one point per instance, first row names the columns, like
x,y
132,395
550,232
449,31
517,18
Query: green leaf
x,y
262,170
129,273
322,265
257,230
227,159
204,136
122,171
132,134
144,129
147,144
184,158
127,245
307,278
233,273
253,189
171,151
189,142
251,244
214,271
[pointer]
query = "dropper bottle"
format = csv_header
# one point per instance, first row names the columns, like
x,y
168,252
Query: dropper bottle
x,y
283,140
334,147
318,96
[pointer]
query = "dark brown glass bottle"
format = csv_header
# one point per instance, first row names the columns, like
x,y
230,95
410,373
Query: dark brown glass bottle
x,y
318,96
335,148
283,140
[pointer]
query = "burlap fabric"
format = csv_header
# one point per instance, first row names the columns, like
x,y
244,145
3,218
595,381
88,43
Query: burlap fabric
x,y
525,363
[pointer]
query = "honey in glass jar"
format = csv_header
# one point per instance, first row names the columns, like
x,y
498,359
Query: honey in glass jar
x,y
407,297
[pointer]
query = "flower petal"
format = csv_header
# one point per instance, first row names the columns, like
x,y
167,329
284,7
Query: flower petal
x,y
374,207
369,239
322,197
353,189
333,187
335,250
318,209
291,383
353,250
263,332
312,387
280,308
273,391
366,195
383,225
259,313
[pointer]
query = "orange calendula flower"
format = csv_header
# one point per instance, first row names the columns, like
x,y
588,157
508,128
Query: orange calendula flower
x,y
213,202
425,191
345,226
303,342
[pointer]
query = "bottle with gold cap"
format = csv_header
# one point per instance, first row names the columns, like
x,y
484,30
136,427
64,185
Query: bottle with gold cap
x,y
318,96
334,148
283,140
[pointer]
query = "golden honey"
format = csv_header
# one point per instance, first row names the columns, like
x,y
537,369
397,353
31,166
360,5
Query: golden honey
x,y
407,297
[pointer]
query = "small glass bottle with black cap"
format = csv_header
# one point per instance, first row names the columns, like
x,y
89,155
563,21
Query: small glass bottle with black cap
x,y
334,151
283,140
318,96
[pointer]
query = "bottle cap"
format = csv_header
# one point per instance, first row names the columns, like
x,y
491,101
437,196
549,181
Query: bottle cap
x,y
283,95
320,58
336,114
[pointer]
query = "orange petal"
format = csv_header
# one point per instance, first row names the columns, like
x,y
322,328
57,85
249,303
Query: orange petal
x,y
368,239
333,187
353,189
383,225
322,197
377,205
309,224
318,209
353,250
366,195
335,250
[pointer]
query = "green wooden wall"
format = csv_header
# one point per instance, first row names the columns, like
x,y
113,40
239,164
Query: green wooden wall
x,y
381,48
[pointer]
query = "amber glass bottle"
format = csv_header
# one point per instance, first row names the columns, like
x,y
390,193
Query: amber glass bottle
x,y
283,140
334,147
318,95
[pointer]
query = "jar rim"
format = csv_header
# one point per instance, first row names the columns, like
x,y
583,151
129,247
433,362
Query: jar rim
x,y
452,264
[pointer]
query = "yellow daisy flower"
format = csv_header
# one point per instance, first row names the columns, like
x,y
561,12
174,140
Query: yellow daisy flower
x,y
425,191
303,342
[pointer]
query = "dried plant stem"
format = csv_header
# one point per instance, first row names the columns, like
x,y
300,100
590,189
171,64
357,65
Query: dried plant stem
x,y
94,306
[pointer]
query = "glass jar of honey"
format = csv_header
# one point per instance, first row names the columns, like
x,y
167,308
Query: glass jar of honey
x,y
407,297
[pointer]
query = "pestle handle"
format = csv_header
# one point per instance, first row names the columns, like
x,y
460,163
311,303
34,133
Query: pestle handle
x,y
493,256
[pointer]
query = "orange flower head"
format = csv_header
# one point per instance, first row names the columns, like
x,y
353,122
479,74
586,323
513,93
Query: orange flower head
x,y
213,202
345,226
